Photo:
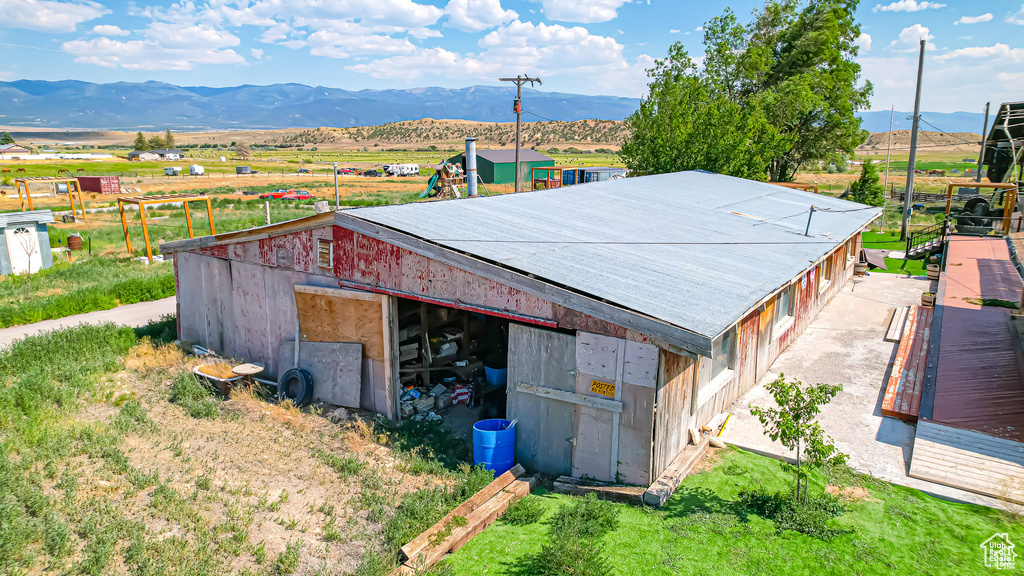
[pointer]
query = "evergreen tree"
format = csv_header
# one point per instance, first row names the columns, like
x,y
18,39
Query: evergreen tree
x,y
6,138
156,143
140,142
868,188
168,139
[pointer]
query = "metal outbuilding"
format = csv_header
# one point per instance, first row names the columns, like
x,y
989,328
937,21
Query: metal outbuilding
x,y
499,166
25,242
632,310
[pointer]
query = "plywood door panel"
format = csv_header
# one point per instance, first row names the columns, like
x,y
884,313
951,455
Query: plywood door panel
x,y
219,308
602,440
336,368
636,425
280,308
191,298
546,426
672,411
325,318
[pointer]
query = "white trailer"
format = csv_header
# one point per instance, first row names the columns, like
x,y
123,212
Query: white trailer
x,y
402,169
196,170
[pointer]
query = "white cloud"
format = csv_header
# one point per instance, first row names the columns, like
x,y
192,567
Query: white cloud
x,y
998,51
256,53
167,46
673,31
109,30
907,6
974,19
910,38
1018,17
698,29
477,15
355,43
864,41
551,51
582,11
49,15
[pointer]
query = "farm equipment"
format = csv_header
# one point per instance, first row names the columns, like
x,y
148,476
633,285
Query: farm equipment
x,y
981,215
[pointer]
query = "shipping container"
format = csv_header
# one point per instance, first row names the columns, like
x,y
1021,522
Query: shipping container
x,y
100,184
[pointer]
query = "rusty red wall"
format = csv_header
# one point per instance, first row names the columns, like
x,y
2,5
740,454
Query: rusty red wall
x,y
808,304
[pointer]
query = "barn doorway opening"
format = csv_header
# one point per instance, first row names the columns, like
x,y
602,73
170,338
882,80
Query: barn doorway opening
x,y
452,366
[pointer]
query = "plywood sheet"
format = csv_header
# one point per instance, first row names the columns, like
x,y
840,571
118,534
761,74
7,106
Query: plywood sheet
x,y
636,425
546,426
336,368
249,304
325,318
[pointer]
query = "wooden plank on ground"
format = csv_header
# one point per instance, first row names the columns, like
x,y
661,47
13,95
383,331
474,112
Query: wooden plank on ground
x,y
896,323
476,522
604,490
417,544
672,477
969,460
892,390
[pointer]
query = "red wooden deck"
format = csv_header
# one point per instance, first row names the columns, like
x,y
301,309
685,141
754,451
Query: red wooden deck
x,y
979,382
906,383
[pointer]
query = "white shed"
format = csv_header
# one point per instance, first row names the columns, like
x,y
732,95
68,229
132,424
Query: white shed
x,y
25,242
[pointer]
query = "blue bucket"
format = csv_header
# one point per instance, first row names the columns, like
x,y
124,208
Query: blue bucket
x,y
494,445
496,376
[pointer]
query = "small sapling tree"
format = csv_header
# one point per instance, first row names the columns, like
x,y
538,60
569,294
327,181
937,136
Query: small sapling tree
x,y
793,424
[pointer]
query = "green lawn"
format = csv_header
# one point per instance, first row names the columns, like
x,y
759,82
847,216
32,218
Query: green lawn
x,y
704,531
891,241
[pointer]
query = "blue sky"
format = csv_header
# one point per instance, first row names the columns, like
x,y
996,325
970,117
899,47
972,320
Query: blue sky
x,y
581,46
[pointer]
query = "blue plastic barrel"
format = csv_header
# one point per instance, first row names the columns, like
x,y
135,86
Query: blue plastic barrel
x,y
494,445
496,376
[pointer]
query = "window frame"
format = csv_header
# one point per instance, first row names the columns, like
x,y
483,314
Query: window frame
x,y
320,243
780,325
825,273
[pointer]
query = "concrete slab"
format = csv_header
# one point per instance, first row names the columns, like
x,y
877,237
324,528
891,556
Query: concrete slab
x,y
845,345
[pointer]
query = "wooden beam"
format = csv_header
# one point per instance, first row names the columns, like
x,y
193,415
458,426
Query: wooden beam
x,y
209,214
124,224
188,219
339,293
419,543
81,203
571,397
145,232
666,484
689,341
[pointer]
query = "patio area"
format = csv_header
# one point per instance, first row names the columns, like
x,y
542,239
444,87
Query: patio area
x,y
845,344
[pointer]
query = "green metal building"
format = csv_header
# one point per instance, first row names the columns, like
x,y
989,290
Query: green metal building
x,y
499,166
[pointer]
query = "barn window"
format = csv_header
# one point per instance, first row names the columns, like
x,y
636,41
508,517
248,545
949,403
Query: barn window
x,y
785,303
722,353
824,274
324,252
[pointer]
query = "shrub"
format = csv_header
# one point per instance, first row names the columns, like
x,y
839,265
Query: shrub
x,y
422,509
575,533
189,393
809,515
526,511
288,560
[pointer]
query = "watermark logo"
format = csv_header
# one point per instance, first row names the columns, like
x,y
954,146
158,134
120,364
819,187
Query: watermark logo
x,y
999,552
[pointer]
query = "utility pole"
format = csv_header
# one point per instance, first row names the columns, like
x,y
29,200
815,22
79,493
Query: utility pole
x,y
908,195
984,142
337,198
888,151
517,107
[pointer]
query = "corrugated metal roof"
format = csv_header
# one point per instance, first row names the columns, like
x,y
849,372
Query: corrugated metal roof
x,y
37,216
692,249
506,156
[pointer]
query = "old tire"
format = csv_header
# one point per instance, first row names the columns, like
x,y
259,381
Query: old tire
x,y
296,385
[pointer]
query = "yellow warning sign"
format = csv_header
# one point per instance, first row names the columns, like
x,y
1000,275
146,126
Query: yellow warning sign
x,y
602,388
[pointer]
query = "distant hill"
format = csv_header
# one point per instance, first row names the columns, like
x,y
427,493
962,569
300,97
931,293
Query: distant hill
x,y
953,122
130,106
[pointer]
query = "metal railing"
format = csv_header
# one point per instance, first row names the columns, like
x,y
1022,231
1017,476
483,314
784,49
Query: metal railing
x,y
923,241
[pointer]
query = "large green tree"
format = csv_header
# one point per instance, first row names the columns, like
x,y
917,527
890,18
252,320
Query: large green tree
x,y
140,142
168,139
6,138
868,188
791,69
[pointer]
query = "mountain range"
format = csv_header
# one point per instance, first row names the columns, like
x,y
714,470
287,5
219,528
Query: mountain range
x,y
155,105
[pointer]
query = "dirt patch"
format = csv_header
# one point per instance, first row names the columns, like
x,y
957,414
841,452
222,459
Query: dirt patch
x,y
851,493
708,461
